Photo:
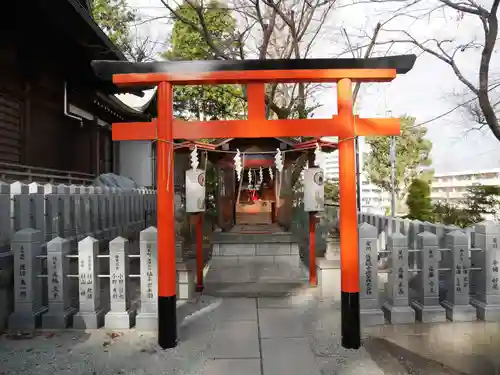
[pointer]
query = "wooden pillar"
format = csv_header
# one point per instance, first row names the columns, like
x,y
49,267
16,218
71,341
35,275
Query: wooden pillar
x,y
167,278
349,263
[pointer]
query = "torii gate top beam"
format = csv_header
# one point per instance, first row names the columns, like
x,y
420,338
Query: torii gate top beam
x,y
379,69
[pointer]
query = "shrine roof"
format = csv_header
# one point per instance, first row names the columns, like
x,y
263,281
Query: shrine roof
x,y
106,69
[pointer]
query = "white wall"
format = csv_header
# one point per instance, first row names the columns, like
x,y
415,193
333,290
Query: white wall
x,y
135,161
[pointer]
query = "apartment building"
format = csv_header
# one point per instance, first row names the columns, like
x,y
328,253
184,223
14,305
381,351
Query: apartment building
x,y
373,199
452,187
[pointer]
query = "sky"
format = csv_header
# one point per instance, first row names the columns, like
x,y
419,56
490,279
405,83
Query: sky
x,y
428,91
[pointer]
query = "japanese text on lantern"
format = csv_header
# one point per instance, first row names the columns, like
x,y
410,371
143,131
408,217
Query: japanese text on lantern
x,y
118,279
54,280
149,256
86,279
368,267
23,292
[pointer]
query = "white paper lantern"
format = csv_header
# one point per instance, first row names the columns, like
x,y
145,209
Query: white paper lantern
x,y
195,190
314,190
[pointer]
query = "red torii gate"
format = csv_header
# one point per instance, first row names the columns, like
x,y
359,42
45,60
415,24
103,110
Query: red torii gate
x,y
254,74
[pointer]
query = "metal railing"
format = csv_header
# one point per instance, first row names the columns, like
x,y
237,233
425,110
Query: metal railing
x,y
27,174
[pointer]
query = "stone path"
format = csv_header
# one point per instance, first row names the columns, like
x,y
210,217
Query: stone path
x,y
296,335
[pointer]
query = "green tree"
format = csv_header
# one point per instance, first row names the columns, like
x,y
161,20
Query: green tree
x,y
412,156
482,200
332,192
419,201
451,214
114,17
186,43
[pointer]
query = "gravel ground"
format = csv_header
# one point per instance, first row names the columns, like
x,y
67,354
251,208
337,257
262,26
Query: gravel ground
x,y
120,353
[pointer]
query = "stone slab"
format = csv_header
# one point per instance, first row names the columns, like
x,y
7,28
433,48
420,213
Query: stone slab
x,y
429,314
120,320
280,323
89,320
25,320
398,314
273,303
232,367
459,313
486,312
237,310
235,340
253,289
371,317
146,321
58,320
329,278
290,356
231,238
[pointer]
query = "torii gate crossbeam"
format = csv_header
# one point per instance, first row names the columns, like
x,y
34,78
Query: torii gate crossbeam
x,y
254,74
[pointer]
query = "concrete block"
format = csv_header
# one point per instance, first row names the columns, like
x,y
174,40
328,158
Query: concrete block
x,y
287,260
89,320
329,278
272,249
120,320
487,312
58,320
459,313
398,314
429,314
146,321
372,317
237,249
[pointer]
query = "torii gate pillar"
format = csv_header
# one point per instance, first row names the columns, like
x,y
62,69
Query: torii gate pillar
x,y
349,258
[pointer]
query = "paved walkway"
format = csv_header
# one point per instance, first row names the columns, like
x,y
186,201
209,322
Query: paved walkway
x,y
297,335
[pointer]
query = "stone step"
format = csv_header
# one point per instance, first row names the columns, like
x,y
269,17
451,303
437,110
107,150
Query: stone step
x,y
255,289
255,249
237,238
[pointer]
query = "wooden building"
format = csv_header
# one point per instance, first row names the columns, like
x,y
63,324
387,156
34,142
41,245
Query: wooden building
x,y
55,115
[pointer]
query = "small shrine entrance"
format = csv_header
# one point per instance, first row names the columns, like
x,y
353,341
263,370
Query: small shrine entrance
x,y
254,74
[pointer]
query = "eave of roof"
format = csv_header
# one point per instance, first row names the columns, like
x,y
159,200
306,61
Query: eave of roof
x,y
106,69
86,16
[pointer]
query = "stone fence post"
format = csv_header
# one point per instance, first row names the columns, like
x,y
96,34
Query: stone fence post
x,y
371,314
457,280
397,309
487,299
60,312
147,319
120,316
427,307
90,315
28,305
